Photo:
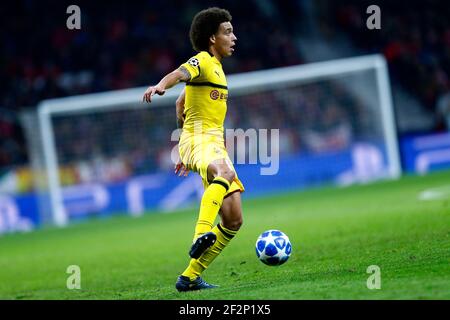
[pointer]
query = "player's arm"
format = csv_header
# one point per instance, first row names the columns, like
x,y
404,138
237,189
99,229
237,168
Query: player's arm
x,y
171,79
180,108
180,168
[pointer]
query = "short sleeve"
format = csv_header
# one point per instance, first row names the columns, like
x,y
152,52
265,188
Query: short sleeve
x,y
193,66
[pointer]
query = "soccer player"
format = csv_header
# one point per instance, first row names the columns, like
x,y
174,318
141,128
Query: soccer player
x,y
201,110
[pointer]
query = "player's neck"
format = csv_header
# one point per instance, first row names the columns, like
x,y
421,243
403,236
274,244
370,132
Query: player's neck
x,y
215,53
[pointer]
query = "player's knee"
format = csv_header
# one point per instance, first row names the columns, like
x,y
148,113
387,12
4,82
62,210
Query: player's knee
x,y
221,170
213,171
228,174
234,224
238,224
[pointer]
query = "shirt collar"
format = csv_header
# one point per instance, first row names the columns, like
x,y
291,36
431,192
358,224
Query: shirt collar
x,y
213,57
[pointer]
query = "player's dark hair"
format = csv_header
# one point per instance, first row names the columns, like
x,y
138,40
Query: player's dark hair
x,y
205,24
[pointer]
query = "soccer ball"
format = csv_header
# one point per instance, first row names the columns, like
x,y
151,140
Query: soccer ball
x,y
273,247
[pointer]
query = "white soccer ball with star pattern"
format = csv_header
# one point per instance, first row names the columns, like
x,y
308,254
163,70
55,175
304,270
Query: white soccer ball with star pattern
x,y
273,247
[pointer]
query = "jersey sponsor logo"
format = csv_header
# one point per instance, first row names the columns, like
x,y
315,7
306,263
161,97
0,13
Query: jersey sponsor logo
x,y
215,94
194,62
217,72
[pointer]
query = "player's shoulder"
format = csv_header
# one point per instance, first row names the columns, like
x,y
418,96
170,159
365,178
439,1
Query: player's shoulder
x,y
200,58
204,55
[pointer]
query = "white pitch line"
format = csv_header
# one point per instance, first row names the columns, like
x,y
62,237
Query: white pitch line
x,y
435,193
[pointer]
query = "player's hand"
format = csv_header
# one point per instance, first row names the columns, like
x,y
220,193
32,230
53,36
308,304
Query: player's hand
x,y
150,92
180,169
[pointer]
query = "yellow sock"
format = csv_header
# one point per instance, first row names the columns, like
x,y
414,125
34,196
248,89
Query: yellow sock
x,y
209,207
224,236
193,270
197,266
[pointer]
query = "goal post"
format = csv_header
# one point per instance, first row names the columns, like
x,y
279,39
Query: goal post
x,y
97,129
89,103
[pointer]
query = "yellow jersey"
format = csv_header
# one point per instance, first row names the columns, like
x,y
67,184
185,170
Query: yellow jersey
x,y
205,104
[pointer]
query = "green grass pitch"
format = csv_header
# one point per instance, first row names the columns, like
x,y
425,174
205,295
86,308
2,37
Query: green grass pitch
x,y
335,233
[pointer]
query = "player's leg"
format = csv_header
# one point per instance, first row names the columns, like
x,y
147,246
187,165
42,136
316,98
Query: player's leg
x,y
220,176
231,221
231,211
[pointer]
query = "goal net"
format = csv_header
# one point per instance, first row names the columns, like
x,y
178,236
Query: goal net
x,y
322,123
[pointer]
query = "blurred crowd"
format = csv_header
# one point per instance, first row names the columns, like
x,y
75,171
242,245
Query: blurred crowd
x,y
129,44
12,143
316,117
312,118
121,44
415,39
